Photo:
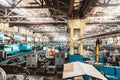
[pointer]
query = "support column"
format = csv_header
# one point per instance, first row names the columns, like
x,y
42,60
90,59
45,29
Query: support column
x,y
80,44
71,41
97,49
97,63
76,24
97,52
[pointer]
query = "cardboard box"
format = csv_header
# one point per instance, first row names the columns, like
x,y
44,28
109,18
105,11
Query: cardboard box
x,y
78,78
1,26
22,30
15,29
29,32
7,28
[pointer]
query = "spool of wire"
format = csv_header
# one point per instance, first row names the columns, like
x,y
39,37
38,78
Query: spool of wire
x,y
2,74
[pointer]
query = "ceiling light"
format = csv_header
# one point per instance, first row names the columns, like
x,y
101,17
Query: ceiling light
x,y
4,3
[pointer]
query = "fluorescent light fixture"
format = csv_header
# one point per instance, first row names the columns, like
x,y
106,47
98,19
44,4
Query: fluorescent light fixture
x,y
21,11
4,2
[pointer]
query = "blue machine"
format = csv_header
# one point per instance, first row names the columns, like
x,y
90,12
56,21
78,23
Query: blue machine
x,y
38,46
111,72
57,46
25,47
15,48
101,59
9,48
75,57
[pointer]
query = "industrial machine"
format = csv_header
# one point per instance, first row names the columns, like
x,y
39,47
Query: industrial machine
x,y
34,63
25,46
8,50
59,59
38,61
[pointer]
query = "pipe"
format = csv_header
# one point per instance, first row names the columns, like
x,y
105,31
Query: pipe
x,y
36,23
104,35
48,32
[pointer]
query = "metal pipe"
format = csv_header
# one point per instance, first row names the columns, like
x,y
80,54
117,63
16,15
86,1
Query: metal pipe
x,y
48,32
36,23
104,35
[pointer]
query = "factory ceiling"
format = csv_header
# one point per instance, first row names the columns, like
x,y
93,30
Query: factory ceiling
x,y
37,13
59,10
104,17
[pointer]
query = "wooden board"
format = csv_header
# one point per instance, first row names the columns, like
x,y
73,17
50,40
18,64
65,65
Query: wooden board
x,y
78,78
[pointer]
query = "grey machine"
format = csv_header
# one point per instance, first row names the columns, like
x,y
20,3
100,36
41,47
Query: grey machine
x,y
31,60
59,59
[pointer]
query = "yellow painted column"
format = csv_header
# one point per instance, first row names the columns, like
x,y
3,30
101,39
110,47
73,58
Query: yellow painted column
x,y
71,41
76,24
97,63
80,44
97,52
97,49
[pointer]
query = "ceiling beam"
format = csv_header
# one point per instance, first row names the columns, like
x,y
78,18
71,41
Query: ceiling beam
x,y
36,22
14,8
63,4
103,2
19,16
48,31
105,35
106,5
117,22
71,6
28,7
87,7
12,16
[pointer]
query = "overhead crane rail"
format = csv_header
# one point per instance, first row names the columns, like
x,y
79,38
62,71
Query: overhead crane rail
x,y
104,35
